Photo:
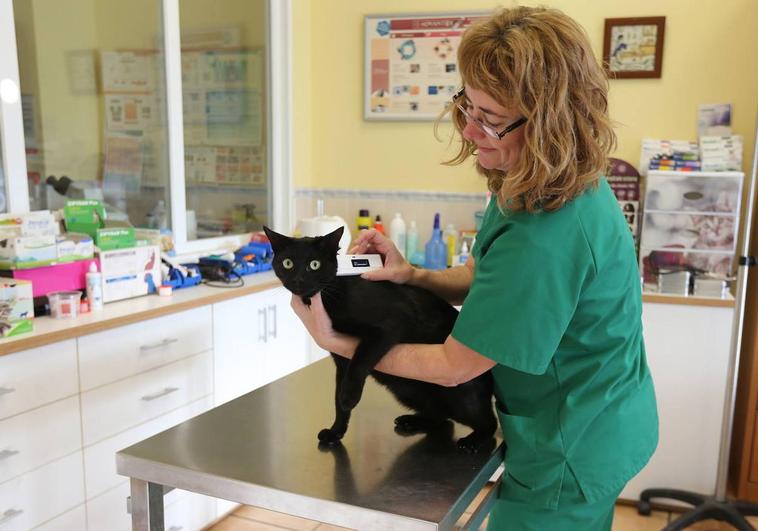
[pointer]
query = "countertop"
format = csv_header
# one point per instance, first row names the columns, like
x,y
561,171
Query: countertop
x,y
48,330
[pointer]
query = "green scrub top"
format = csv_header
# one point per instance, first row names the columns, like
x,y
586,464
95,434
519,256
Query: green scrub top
x,y
556,302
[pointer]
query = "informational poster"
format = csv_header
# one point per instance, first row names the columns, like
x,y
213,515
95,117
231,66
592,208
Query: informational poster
x,y
411,66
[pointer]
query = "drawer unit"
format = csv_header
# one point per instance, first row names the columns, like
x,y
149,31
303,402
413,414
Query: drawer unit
x,y
116,407
100,459
42,494
38,376
39,436
108,510
114,354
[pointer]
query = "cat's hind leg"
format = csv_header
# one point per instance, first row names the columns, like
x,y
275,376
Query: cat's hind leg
x,y
332,436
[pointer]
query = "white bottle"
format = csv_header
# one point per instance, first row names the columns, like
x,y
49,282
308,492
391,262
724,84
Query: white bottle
x,y
463,257
411,242
397,233
94,282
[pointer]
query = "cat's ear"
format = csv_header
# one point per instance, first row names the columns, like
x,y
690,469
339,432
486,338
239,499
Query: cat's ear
x,y
278,241
332,240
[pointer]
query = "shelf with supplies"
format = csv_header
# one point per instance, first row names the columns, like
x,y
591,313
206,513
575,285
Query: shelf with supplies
x,y
690,227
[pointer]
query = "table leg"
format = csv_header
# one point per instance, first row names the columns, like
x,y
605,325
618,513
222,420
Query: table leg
x,y
484,508
146,506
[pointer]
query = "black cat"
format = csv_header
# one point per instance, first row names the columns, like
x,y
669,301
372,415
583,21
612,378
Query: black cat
x,y
382,314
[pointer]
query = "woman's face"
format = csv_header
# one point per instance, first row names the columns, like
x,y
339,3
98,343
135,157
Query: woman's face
x,y
492,153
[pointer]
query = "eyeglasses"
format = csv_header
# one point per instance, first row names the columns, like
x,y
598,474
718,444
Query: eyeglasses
x,y
486,129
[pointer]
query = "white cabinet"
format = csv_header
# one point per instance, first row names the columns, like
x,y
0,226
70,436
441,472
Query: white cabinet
x,y
37,376
688,353
256,339
66,408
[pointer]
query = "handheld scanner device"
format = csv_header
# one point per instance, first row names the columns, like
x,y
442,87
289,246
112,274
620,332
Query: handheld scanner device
x,y
357,264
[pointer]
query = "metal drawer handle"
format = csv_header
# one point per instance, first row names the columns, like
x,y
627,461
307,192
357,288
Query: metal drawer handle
x,y
166,342
9,515
176,528
6,390
272,312
166,391
5,454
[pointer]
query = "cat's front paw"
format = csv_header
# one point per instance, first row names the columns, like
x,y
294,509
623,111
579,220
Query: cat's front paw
x,y
474,443
329,437
350,395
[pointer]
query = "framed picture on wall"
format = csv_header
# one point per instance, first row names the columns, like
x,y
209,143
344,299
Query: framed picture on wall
x,y
633,47
411,67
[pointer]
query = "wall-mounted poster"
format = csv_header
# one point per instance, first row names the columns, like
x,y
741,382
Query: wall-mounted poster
x,y
411,70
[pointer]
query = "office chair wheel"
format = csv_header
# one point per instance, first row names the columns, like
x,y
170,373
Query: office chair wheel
x,y
643,508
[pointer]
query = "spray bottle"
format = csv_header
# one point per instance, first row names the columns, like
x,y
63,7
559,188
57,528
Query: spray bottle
x,y
436,250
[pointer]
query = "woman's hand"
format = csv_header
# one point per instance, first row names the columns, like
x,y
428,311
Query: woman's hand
x,y
396,269
319,326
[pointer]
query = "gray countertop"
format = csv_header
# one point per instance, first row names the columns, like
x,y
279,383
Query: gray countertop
x,y
261,449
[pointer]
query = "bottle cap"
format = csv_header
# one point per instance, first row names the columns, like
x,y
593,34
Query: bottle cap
x,y
363,212
378,218
437,220
92,267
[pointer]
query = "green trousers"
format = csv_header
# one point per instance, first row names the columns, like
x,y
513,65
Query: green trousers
x,y
574,513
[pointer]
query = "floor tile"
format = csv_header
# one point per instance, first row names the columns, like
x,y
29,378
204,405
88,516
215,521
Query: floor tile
x,y
235,523
283,520
626,518
328,527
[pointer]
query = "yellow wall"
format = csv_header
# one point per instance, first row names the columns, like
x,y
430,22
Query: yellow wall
x,y
709,57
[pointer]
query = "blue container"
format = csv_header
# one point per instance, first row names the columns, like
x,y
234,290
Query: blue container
x,y
435,256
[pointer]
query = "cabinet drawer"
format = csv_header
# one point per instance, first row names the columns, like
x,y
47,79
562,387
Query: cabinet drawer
x,y
100,459
34,377
124,404
73,520
108,511
39,436
42,494
114,354
191,511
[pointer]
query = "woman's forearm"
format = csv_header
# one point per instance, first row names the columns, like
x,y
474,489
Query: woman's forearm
x,y
451,284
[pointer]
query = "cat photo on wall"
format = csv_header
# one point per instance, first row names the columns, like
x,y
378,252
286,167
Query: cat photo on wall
x,y
382,314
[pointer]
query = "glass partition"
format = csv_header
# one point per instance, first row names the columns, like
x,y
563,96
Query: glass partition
x,y
225,124
93,93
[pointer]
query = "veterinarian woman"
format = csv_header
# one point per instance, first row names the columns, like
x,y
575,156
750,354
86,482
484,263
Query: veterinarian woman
x,y
552,289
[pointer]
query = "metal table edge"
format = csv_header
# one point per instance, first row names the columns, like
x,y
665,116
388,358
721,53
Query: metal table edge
x,y
267,497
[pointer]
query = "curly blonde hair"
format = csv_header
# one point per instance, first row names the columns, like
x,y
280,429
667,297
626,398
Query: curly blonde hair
x,y
540,62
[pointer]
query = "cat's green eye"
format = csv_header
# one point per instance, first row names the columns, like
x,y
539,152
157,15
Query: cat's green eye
x,y
288,264
315,264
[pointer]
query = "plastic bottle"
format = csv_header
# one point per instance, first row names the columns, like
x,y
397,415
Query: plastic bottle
x,y
463,256
363,221
450,237
411,242
436,250
94,286
397,233
378,225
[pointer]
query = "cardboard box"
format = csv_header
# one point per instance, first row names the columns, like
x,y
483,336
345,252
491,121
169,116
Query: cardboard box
x,y
38,223
17,299
71,247
130,272
84,215
115,238
24,252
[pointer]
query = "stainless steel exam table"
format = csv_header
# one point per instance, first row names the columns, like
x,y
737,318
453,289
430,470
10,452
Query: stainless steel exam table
x,y
261,449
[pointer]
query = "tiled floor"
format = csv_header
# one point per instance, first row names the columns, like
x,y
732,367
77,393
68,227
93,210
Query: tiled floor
x,y
625,519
